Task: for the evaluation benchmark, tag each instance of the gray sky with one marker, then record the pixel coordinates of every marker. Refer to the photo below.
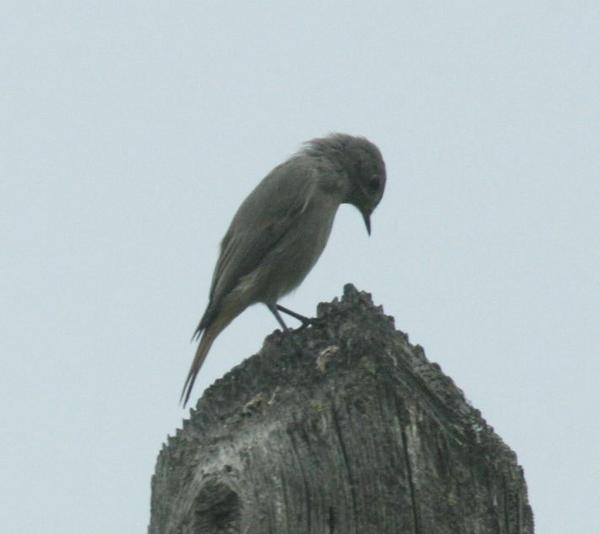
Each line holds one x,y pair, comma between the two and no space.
129,134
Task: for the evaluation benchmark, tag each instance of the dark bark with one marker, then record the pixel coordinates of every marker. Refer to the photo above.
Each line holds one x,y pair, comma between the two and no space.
354,433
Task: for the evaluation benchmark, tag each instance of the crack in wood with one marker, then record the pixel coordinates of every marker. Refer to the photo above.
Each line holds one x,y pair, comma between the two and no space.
338,432
307,498
331,520
411,484
519,512
505,498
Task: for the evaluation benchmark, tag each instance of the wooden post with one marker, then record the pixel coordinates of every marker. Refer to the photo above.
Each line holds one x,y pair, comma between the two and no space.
342,428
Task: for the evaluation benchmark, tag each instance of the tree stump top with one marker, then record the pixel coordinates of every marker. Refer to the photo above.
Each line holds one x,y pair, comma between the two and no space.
343,427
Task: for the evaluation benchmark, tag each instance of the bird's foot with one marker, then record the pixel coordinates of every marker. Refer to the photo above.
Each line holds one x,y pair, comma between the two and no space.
309,321
306,321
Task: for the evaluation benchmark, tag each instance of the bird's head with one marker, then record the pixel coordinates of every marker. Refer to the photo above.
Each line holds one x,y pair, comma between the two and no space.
363,168
366,172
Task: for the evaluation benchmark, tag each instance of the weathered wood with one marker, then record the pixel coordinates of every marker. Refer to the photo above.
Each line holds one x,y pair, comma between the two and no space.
356,433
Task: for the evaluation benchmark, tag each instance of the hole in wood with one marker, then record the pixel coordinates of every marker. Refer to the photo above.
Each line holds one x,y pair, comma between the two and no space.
217,509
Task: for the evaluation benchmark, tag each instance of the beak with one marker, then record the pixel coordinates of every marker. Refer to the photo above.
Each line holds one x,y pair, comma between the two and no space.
367,219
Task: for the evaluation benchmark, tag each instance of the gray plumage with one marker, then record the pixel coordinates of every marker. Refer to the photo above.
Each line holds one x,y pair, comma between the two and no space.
281,229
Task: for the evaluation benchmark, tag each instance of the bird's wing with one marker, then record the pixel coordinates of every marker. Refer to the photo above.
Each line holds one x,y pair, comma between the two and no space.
260,223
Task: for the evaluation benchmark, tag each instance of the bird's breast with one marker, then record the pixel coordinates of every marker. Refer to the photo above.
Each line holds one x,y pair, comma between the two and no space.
298,250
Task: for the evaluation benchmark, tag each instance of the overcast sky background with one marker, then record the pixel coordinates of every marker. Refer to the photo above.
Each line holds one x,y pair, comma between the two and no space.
131,131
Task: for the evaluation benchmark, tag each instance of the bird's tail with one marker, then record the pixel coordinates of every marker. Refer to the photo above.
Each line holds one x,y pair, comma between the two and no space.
208,337
210,333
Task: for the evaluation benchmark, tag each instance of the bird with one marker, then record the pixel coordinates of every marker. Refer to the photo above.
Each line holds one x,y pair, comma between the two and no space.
280,230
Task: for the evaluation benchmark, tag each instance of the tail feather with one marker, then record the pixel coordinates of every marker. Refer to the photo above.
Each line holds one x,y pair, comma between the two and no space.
214,320
209,315
211,325
206,342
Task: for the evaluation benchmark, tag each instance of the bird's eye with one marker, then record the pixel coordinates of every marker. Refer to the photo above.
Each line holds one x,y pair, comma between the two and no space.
373,183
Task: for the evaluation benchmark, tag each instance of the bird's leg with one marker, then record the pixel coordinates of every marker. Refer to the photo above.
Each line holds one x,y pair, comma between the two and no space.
286,331
306,321
277,315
